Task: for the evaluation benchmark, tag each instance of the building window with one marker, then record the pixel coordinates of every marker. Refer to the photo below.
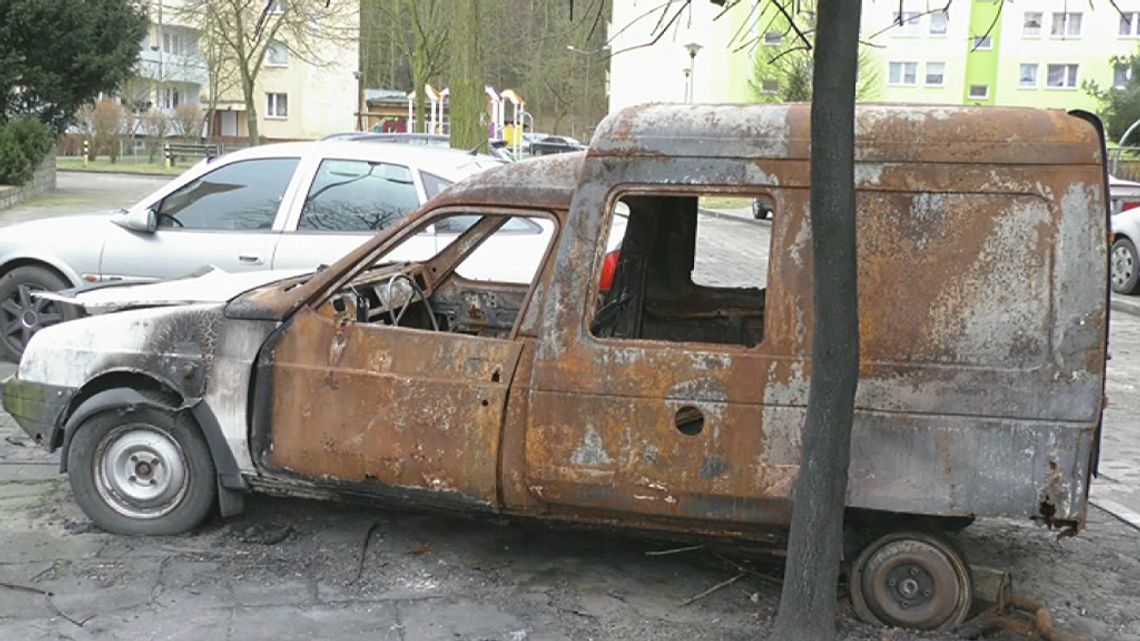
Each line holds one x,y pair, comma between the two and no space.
1066,24
772,38
1027,75
278,105
939,23
1031,24
903,73
1061,76
1121,74
983,43
169,98
769,87
909,23
276,55
934,74
1130,24
979,92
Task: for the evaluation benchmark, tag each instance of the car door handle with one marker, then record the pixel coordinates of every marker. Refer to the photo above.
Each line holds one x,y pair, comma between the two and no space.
250,259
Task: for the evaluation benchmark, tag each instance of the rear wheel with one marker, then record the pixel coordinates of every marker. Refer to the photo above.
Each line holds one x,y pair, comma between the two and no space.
22,314
1125,267
148,471
912,580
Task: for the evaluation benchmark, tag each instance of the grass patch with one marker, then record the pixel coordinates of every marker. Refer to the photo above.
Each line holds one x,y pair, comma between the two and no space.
724,202
126,165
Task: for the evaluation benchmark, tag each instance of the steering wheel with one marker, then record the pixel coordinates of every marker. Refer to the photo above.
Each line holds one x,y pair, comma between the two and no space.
407,303
175,222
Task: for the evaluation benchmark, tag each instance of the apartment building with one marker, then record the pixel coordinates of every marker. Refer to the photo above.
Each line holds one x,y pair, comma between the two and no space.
1035,53
1017,52
295,98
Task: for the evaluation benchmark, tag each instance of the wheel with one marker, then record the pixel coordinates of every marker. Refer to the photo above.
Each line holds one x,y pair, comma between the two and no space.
148,471
1125,264
911,580
21,314
760,209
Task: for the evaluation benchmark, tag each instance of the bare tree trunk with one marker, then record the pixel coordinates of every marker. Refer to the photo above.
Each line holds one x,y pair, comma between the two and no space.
467,98
247,88
807,603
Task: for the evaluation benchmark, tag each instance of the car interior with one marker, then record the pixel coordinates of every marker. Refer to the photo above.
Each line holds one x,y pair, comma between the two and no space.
431,294
657,292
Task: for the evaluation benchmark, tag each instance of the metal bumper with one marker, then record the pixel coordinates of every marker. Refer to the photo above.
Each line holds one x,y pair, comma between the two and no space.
37,408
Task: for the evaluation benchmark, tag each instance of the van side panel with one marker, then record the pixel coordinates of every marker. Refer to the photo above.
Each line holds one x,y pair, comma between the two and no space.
982,322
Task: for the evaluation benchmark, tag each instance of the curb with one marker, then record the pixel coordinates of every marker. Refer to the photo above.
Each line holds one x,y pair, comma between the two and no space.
1119,303
712,213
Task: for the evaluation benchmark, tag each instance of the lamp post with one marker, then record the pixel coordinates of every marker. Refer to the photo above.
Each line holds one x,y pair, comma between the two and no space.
690,74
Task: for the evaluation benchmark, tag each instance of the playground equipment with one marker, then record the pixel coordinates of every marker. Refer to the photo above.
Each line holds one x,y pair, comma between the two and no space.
439,123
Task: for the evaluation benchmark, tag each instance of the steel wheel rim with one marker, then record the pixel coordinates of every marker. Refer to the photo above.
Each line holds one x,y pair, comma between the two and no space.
915,584
1123,265
22,315
140,471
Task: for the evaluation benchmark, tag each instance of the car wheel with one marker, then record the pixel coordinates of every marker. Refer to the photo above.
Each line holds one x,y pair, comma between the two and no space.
21,314
147,471
1125,267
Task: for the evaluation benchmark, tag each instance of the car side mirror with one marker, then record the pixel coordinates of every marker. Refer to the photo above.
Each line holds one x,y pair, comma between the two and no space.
140,220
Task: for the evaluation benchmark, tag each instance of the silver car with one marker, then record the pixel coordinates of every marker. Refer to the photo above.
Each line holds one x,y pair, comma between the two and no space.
279,207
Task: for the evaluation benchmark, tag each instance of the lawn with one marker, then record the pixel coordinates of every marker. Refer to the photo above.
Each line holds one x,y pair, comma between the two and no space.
126,165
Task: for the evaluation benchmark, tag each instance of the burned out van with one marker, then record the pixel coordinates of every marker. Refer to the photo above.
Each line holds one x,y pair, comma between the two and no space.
661,386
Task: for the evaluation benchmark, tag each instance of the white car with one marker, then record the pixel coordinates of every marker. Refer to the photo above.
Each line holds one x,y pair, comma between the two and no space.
273,207
1124,201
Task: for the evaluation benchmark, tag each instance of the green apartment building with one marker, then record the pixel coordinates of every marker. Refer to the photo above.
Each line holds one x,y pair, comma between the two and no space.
1018,52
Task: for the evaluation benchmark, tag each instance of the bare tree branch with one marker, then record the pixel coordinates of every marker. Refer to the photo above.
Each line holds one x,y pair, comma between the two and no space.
997,15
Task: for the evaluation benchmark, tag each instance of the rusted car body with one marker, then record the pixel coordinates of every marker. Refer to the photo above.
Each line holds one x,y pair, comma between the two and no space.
983,316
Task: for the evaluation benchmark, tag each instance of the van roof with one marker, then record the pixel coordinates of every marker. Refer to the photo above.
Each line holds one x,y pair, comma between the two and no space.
883,133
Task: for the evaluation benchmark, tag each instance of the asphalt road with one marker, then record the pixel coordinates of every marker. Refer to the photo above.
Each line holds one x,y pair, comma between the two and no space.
294,569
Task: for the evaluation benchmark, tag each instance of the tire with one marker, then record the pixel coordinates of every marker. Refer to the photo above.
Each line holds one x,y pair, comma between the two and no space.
916,580
147,471
1124,267
21,316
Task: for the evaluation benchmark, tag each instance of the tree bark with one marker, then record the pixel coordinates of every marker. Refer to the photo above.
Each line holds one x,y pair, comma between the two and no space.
247,89
808,600
468,100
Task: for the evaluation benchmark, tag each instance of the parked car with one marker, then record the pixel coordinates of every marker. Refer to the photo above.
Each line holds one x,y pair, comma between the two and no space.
663,400
1124,202
554,145
281,206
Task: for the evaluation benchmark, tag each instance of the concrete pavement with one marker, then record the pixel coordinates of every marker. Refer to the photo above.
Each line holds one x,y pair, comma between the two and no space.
84,193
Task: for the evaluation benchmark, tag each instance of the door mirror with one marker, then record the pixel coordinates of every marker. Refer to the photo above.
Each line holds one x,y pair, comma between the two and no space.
141,220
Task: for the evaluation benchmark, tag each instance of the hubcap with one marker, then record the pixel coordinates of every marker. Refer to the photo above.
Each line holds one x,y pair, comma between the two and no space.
1123,265
22,315
140,471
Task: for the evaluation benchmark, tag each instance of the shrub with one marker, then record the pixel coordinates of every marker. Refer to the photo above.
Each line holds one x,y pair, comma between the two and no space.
107,122
24,142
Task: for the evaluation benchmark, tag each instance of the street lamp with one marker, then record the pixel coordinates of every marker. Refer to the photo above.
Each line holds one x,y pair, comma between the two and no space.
692,48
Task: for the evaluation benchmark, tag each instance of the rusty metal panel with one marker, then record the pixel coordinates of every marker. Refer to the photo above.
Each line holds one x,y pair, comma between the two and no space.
884,133
982,319
406,409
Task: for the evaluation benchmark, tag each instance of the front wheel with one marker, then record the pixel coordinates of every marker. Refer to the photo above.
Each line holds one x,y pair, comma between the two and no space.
22,314
147,471
1125,267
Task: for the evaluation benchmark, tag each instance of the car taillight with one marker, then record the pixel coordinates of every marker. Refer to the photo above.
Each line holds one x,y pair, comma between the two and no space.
609,268
1132,204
